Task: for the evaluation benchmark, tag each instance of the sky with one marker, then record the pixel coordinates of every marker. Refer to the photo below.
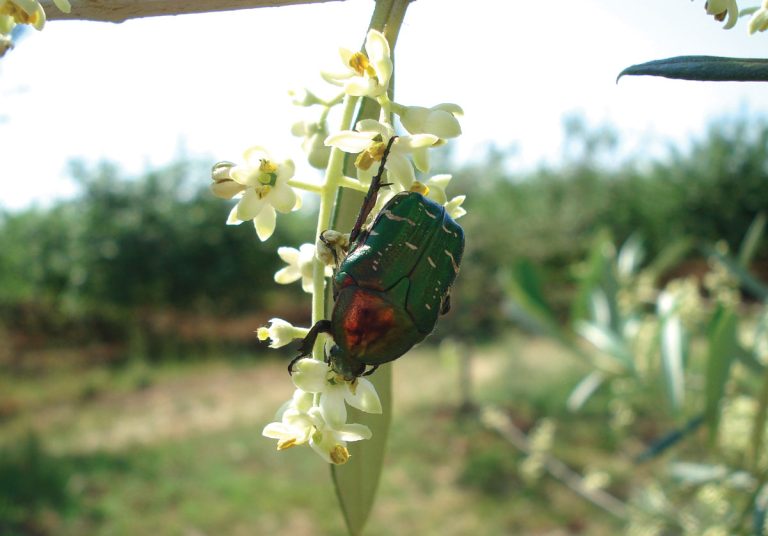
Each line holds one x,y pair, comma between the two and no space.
208,86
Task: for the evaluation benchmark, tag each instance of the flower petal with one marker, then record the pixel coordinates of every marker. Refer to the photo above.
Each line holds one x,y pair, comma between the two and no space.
254,155
285,170
63,5
365,397
321,449
371,125
250,205
353,432
287,275
289,255
282,197
450,107
226,189
232,218
350,141
409,143
400,169
421,159
310,375
442,124
376,46
414,118
265,222
332,405
357,86
278,430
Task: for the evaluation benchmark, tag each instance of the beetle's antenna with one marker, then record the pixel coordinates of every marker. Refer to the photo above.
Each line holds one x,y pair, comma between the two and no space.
370,198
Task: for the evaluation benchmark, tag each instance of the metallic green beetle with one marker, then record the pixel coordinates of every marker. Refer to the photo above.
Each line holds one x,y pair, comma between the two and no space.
392,284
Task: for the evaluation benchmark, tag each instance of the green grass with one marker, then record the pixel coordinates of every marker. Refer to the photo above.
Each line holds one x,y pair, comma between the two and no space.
178,450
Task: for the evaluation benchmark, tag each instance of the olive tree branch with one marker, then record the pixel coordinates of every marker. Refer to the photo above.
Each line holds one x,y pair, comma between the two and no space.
121,10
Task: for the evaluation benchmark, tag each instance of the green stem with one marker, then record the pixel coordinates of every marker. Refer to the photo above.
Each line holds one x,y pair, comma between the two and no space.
333,177
352,184
308,186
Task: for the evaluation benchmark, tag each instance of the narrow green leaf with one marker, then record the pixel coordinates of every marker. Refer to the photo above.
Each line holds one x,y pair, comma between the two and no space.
630,256
752,239
523,286
584,390
673,350
608,342
706,68
722,349
670,439
357,480
696,474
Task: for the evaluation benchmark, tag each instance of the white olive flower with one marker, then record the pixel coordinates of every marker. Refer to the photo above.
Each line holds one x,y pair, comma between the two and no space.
314,376
362,141
439,120
436,186
295,425
280,333
454,208
266,188
759,21
722,8
22,12
367,74
330,442
434,189
301,264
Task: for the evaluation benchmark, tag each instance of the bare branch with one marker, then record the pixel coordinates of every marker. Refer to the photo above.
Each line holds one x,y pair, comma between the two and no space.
500,422
120,10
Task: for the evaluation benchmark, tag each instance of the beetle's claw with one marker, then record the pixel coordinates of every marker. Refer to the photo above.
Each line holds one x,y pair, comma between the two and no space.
293,362
371,371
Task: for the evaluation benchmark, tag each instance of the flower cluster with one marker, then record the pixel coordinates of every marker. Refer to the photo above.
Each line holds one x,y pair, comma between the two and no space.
317,413
729,11
263,186
13,12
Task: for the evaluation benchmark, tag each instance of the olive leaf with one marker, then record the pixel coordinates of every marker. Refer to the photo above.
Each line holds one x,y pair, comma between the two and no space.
723,347
357,480
706,68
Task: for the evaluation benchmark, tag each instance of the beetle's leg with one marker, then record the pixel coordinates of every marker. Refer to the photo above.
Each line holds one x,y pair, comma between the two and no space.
322,326
446,304
370,198
331,247
369,372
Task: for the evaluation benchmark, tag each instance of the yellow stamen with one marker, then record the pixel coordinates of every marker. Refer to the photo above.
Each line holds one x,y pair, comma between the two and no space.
263,191
262,333
286,443
339,455
420,188
359,63
19,15
372,154
267,166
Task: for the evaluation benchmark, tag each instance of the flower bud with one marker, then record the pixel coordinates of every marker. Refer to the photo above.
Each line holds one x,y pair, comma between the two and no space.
223,185
279,332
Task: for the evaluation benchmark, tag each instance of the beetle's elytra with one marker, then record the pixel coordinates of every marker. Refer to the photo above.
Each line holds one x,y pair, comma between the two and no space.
392,284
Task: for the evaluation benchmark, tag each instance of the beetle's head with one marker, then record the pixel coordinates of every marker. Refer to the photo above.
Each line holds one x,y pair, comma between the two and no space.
344,364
